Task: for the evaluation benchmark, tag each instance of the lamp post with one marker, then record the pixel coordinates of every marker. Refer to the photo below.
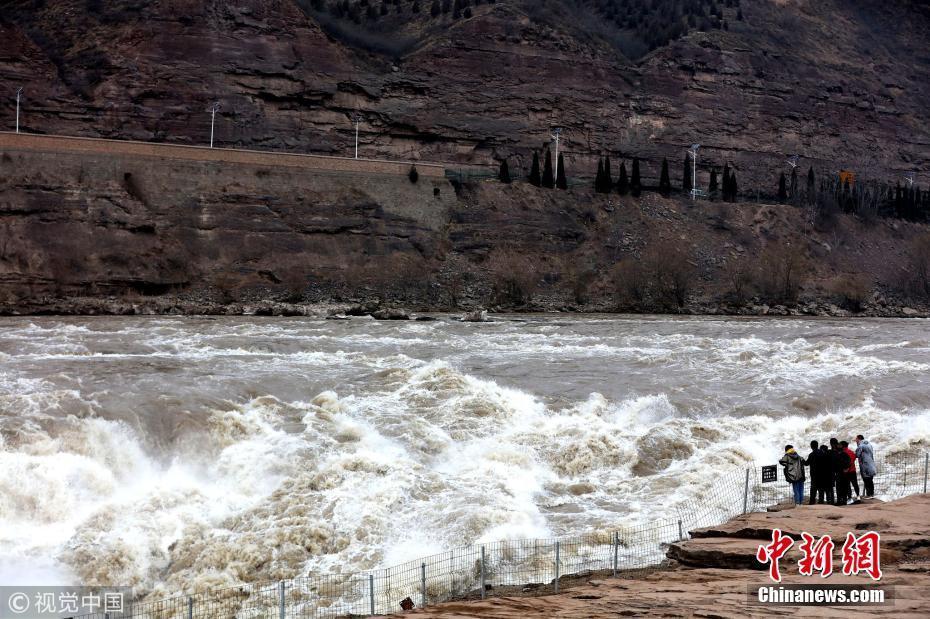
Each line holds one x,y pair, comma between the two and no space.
19,93
356,118
693,152
213,110
556,133
793,188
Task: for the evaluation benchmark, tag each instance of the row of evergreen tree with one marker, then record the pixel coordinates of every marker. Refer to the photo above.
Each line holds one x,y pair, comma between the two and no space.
833,194
604,183
356,10
546,178
865,198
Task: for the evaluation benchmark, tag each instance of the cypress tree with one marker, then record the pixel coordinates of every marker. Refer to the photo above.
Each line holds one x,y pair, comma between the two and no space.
918,201
665,184
534,171
504,173
725,183
734,187
636,186
560,181
686,185
782,189
608,175
713,187
623,183
811,187
599,179
548,180
793,187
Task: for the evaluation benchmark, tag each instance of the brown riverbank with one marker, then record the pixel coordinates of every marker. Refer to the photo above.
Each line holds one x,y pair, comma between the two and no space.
168,305
709,575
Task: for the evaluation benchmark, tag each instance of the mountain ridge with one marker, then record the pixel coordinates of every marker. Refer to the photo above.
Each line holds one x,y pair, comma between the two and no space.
490,86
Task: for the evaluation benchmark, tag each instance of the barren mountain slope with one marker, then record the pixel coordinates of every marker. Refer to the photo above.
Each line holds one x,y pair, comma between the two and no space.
845,84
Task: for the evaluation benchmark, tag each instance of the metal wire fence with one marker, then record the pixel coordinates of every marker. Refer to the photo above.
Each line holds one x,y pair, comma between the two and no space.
512,567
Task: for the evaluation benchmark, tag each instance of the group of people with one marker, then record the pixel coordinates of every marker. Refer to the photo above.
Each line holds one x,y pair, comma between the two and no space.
832,471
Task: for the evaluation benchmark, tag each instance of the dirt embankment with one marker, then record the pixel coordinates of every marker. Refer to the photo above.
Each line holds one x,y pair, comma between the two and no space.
709,575
96,233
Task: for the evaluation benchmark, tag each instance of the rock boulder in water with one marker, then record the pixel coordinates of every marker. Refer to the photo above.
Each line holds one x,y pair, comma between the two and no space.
475,316
390,314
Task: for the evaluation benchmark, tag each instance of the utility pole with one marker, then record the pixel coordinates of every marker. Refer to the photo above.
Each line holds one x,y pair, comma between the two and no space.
19,93
693,152
213,110
793,188
556,133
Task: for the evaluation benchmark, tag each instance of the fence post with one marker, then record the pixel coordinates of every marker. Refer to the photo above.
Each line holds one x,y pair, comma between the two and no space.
281,599
681,533
482,573
926,468
190,608
556,567
746,493
423,581
371,592
616,544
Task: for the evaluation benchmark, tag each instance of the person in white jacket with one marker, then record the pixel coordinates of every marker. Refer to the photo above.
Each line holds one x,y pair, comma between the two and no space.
866,465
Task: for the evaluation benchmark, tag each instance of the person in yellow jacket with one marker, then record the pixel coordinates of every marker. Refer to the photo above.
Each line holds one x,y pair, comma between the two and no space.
793,464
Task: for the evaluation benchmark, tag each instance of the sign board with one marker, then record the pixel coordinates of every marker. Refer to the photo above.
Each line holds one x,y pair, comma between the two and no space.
769,473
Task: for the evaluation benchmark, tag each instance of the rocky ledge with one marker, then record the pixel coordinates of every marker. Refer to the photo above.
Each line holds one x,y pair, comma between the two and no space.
710,573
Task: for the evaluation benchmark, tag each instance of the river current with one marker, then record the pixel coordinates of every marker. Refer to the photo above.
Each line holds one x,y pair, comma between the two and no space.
174,454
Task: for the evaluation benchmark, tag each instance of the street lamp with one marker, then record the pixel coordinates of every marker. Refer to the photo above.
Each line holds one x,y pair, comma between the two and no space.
693,152
356,118
213,110
19,93
556,134
793,164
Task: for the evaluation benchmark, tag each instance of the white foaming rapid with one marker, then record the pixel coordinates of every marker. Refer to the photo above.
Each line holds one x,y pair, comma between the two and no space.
179,455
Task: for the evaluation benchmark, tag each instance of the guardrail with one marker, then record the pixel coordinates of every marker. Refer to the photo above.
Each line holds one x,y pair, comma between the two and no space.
100,146
512,567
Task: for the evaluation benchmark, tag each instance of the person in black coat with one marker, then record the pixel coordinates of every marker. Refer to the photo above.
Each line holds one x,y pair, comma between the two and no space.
826,477
815,462
840,464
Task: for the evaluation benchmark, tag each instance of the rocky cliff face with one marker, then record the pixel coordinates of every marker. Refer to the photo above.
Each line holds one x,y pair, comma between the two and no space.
844,84
132,229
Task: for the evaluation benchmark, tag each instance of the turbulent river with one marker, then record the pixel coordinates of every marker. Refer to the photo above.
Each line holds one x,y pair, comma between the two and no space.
172,454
